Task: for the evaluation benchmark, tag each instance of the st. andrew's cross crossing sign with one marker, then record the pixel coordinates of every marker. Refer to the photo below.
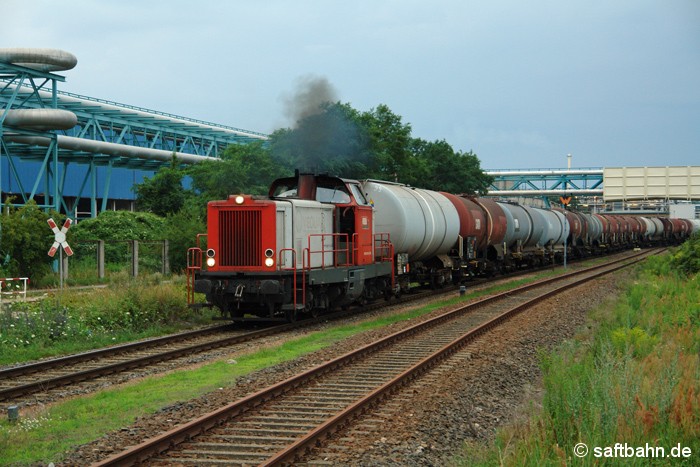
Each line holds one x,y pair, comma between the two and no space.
60,237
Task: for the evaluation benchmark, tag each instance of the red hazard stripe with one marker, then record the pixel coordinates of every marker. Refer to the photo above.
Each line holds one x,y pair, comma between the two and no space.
52,251
67,249
67,223
52,224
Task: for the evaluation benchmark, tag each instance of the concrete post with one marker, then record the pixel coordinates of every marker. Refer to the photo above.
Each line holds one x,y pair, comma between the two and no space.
101,259
166,257
134,258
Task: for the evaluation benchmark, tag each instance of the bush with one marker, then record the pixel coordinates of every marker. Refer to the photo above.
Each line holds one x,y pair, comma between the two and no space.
687,258
25,242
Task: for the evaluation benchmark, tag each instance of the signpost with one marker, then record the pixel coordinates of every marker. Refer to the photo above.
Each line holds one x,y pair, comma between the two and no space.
60,237
60,244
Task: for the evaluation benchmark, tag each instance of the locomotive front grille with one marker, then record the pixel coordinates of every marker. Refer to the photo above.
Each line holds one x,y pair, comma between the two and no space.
240,234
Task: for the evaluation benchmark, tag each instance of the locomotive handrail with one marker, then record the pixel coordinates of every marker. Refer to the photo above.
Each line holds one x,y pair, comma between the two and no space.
294,269
194,263
384,251
339,250
355,248
199,236
332,251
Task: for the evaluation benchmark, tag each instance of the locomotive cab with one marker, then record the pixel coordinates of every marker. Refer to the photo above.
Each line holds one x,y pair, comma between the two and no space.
353,217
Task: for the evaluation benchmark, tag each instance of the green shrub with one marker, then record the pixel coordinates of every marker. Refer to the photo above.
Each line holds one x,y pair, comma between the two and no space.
687,258
634,340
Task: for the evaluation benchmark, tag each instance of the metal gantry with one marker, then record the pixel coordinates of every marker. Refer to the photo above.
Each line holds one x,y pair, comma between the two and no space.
109,137
40,92
544,182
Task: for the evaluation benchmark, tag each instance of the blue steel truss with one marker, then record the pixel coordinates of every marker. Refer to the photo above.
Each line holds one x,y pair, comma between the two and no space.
16,77
98,120
546,183
554,181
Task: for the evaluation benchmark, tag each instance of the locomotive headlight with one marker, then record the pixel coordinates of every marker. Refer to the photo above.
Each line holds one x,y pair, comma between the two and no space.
239,199
211,261
269,262
269,253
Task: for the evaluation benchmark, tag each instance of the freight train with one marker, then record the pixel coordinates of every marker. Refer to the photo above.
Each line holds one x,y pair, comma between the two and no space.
318,242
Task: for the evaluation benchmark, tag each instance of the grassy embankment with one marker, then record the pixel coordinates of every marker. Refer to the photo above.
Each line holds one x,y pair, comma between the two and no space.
42,436
633,377
75,321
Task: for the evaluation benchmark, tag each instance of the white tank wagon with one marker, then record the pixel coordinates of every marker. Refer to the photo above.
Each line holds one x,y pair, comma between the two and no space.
421,223
518,227
594,229
423,226
533,231
556,229
657,232
696,225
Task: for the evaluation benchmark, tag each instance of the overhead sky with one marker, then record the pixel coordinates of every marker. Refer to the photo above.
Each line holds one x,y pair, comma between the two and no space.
522,84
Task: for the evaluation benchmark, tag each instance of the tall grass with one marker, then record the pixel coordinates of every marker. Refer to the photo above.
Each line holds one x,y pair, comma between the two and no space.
634,380
73,321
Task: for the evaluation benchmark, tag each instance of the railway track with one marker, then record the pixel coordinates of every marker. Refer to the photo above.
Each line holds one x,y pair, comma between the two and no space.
21,381
280,423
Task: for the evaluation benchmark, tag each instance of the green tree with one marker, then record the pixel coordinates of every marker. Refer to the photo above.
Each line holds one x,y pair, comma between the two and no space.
390,140
447,170
26,239
245,168
163,193
181,229
119,225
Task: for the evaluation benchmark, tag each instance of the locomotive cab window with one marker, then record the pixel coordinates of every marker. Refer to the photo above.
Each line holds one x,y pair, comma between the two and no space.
336,194
359,196
285,190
